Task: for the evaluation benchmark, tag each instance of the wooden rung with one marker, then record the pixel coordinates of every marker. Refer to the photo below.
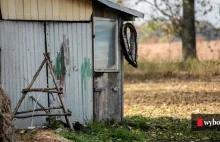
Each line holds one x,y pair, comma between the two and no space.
40,109
39,104
38,115
38,90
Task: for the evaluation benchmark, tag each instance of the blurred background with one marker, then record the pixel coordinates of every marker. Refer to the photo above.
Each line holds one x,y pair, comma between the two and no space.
179,64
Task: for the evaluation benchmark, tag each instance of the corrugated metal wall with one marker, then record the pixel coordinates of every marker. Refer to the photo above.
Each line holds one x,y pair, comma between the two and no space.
64,10
22,46
70,45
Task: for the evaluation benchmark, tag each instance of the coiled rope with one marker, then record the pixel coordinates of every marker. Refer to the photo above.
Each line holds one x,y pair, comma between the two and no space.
130,46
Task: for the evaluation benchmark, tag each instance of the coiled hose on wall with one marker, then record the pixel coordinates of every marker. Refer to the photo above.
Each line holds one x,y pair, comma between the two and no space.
129,45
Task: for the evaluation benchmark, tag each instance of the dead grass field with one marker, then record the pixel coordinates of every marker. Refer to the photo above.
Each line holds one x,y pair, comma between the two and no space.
173,51
172,98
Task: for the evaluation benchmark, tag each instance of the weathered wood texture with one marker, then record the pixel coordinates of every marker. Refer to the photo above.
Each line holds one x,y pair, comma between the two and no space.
39,115
63,10
39,109
108,87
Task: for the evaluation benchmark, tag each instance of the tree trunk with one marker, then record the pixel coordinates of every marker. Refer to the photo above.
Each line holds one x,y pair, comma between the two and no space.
6,131
189,32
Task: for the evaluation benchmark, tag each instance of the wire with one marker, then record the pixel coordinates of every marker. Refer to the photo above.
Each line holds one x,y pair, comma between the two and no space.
32,120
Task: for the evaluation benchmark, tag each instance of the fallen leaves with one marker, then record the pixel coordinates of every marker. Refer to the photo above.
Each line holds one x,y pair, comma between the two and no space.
172,98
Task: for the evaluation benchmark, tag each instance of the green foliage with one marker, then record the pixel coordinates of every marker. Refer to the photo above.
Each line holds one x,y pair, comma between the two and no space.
138,128
53,123
105,132
160,31
184,70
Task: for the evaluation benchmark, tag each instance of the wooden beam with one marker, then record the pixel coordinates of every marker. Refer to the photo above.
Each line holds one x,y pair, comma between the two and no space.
39,109
40,90
38,115
47,56
39,104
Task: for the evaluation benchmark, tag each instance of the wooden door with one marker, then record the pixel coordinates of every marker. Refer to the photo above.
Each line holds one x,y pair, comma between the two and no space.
107,71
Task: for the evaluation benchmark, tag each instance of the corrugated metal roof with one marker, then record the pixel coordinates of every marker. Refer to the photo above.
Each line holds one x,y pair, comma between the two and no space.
121,8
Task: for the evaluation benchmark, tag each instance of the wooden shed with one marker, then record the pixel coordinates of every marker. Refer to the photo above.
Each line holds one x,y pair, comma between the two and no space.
83,39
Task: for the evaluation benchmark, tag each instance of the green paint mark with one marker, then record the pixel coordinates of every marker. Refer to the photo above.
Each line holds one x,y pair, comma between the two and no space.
59,67
86,73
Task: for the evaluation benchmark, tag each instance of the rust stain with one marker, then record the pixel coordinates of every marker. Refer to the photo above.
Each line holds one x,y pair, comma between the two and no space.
62,61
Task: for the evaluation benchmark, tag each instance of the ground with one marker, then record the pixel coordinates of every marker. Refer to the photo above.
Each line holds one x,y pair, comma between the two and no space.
39,136
172,98
154,110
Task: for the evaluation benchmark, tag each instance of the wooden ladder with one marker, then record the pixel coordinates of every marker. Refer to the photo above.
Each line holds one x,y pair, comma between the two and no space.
57,90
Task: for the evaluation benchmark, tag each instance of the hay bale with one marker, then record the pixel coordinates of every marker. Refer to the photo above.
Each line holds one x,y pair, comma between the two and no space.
6,130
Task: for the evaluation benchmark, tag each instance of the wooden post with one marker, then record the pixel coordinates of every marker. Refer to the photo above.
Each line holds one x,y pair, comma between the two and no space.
58,88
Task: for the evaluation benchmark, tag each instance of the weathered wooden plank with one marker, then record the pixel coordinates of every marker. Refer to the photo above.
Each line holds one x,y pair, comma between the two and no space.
42,9
27,9
65,10
108,88
120,23
69,10
39,109
11,12
88,8
76,10
56,9
82,10
49,10
4,9
34,10
19,9
38,115
62,10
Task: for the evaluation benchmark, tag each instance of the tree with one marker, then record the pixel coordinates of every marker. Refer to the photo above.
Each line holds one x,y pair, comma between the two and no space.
189,32
181,15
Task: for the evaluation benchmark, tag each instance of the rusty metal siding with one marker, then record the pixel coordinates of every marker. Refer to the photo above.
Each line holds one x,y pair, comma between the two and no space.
22,46
70,45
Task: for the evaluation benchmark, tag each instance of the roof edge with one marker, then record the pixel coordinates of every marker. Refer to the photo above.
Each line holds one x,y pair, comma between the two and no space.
122,8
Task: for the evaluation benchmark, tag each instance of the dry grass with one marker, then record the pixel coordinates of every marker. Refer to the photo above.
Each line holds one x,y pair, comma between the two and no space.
172,98
41,136
206,51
